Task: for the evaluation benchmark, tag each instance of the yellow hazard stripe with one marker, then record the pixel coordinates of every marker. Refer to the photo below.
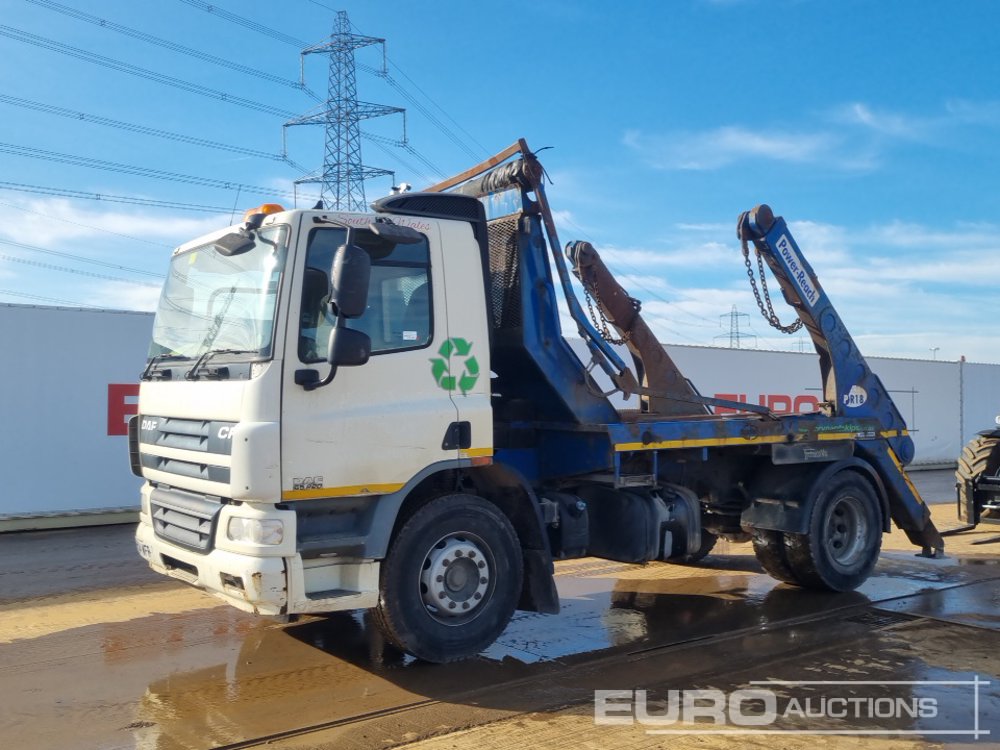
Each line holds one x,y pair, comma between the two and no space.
475,452
348,491
368,489
906,477
698,443
761,440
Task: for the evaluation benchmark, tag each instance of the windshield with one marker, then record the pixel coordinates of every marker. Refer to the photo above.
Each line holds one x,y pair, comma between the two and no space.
211,301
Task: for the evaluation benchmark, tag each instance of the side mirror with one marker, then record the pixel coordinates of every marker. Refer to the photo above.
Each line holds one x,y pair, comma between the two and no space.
348,348
234,243
349,277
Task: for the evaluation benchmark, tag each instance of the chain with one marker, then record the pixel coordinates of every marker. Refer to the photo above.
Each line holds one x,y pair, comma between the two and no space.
602,324
769,315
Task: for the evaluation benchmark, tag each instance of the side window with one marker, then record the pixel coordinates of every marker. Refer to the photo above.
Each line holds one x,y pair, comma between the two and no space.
399,313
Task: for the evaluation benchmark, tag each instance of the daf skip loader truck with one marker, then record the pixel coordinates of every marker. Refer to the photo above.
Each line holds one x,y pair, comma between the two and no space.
380,410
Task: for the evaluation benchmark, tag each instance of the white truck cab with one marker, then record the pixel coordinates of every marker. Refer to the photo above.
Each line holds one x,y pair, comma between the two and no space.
262,487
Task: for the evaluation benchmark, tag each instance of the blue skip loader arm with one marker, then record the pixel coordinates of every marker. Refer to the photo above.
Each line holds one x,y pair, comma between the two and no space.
850,388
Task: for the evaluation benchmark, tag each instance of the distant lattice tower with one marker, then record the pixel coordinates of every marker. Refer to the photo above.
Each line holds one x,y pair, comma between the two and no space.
735,336
343,175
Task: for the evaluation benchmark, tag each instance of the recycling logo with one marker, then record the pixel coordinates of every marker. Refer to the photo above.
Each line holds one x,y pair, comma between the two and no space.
456,367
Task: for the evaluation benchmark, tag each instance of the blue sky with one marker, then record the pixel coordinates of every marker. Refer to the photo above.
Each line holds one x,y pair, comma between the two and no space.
872,127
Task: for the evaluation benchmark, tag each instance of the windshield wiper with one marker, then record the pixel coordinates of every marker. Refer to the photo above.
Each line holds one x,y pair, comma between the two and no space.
147,374
192,374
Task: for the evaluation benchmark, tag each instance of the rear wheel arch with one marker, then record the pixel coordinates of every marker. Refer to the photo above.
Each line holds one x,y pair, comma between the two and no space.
801,482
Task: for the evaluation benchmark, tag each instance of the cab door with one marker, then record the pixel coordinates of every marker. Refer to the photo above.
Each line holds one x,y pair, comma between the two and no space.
465,355
378,425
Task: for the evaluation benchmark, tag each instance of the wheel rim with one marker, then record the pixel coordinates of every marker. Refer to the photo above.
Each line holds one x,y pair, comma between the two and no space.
847,530
457,578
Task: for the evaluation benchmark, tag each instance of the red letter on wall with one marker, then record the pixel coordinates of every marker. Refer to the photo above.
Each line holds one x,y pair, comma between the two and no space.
121,405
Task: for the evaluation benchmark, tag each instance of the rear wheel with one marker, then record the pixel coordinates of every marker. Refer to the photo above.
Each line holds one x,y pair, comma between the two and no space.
708,540
769,547
980,457
844,539
451,580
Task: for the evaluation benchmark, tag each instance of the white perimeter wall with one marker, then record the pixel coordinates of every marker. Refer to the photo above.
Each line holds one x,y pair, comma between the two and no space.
69,377
929,395
57,409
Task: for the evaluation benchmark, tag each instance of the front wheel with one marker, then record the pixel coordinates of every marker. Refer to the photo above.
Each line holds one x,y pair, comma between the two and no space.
842,545
451,580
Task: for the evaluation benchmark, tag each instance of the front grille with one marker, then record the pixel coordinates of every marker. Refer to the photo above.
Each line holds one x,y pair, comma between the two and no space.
505,279
202,435
190,469
185,519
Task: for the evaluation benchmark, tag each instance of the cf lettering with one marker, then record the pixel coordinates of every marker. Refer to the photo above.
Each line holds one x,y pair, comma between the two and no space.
226,433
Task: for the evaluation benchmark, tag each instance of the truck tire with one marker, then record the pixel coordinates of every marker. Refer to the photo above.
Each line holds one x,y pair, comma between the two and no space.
769,547
708,540
844,539
451,579
980,457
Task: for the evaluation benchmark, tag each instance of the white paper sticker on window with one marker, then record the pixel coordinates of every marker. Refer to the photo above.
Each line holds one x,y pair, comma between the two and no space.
409,335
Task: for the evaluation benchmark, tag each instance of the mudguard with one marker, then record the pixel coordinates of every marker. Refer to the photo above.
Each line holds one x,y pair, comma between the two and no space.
783,498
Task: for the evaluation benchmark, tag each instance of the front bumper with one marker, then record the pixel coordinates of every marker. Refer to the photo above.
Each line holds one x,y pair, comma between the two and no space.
253,584
278,585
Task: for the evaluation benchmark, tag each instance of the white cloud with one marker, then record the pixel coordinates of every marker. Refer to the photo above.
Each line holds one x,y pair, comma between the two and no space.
698,254
125,297
53,221
720,147
896,285
886,123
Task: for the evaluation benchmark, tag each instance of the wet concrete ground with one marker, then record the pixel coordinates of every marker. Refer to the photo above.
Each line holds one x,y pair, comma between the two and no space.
95,651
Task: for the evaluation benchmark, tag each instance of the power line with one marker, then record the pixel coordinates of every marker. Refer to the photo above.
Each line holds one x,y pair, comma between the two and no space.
39,298
77,271
80,258
406,147
300,43
51,109
50,217
108,198
246,23
646,289
123,67
384,75
166,44
482,148
130,169
377,142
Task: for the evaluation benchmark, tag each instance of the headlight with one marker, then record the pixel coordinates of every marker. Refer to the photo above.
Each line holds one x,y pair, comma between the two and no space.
255,531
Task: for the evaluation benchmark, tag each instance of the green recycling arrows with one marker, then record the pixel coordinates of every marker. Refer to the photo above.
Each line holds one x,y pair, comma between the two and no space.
456,357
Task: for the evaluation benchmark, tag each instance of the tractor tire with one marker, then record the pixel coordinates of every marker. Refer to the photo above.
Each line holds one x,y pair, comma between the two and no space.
980,457
451,579
842,545
769,547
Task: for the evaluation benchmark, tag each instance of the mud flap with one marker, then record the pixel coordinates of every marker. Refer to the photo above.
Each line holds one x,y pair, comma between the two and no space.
538,592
